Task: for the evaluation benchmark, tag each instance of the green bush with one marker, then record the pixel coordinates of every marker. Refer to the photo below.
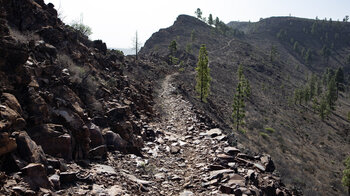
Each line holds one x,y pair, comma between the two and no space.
264,135
269,129
242,130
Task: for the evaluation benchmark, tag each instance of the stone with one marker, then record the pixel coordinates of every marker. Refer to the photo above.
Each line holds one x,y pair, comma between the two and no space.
268,163
28,150
219,173
35,176
68,177
54,139
186,193
231,151
12,102
96,136
7,144
160,140
236,179
115,190
19,189
226,189
104,169
214,132
174,150
100,152
213,182
159,176
221,137
114,141
55,180
225,157
259,166
10,119
135,179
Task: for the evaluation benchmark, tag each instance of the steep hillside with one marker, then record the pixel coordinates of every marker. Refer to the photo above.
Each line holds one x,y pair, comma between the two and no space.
308,151
79,119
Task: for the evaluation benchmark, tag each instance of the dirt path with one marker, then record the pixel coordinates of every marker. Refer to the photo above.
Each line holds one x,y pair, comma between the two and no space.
181,151
222,48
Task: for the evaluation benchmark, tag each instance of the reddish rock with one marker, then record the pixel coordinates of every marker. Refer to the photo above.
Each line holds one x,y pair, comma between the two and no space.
35,175
54,139
7,144
28,150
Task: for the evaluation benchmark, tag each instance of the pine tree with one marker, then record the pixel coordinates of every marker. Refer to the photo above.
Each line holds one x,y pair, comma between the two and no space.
217,22
172,47
339,79
243,91
331,94
322,109
210,20
308,56
314,104
198,13
203,76
273,53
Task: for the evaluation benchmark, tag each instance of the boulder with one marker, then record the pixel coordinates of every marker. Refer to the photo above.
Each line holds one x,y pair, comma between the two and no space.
11,101
114,141
46,48
35,176
96,137
118,113
12,54
7,144
98,44
37,108
54,139
28,150
10,119
267,162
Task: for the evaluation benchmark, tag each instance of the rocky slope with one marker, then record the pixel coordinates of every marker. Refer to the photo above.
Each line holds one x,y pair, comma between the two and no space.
78,119
62,96
308,152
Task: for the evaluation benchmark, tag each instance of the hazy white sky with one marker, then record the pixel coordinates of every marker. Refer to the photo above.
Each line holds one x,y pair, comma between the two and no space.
116,21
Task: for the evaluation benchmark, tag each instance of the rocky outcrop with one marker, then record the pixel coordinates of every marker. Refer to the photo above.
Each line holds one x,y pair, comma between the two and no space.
58,91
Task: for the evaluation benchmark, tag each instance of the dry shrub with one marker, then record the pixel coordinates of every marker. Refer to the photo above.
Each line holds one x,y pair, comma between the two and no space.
24,37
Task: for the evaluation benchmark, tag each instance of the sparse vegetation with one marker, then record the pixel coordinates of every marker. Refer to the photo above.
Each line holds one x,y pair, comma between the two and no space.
203,74
81,27
269,129
264,135
243,91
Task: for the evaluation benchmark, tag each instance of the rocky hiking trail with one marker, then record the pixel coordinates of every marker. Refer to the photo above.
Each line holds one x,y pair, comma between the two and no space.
184,157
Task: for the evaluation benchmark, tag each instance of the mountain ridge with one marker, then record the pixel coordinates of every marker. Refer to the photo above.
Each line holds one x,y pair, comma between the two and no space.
295,146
